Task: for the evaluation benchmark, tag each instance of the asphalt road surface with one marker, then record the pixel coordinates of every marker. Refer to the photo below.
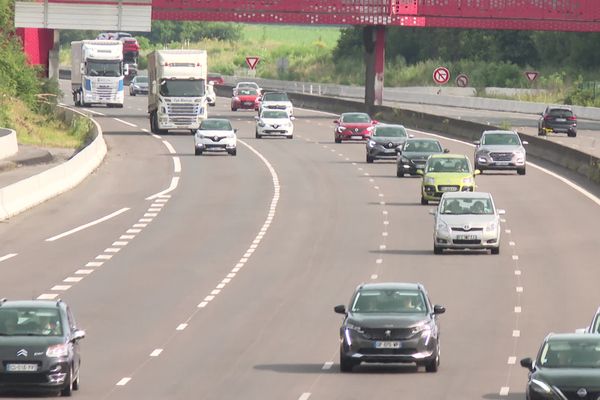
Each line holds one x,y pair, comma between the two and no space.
214,277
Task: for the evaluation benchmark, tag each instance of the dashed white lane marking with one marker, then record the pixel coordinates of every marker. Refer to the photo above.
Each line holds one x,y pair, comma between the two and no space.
125,122
104,257
374,276
203,304
384,234
61,288
511,243
176,165
504,390
156,352
512,360
517,309
84,271
140,225
145,220
507,231
382,247
519,289
353,163
73,279
123,381
112,250
126,237
47,296
172,186
516,333
515,257
95,112
378,261
133,230
82,227
151,215
327,365
386,222
181,327
384,212
304,396
376,187
8,256
118,243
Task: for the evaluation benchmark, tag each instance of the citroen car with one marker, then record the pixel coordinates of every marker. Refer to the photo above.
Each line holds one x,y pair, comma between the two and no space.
353,126
446,173
414,154
385,142
274,123
500,150
566,367
275,101
246,99
138,85
390,323
559,119
215,134
39,346
466,220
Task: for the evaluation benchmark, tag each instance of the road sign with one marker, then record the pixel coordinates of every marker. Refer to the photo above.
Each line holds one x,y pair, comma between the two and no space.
462,80
531,75
252,61
441,75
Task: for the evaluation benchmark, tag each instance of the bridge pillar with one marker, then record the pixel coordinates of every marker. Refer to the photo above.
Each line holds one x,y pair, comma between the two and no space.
374,43
37,43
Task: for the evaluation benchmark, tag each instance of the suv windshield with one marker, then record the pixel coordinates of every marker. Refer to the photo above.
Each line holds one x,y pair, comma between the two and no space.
215,125
467,205
356,118
571,354
500,139
390,131
448,165
29,321
422,146
274,114
275,97
389,301
183,88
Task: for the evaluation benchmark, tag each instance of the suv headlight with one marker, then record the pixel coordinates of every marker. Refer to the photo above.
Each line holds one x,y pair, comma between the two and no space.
540,387
467,181
355,328
58,350
429,180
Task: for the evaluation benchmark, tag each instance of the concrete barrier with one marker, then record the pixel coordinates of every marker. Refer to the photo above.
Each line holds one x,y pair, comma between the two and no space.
29,192
8,143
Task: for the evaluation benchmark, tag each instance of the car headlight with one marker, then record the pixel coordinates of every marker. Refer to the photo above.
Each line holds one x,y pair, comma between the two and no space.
429,180
519,153
467,181
540,387
261,124
355,328
163,110
370,128
404,160
491,227
443,227
58,350
341,129
371,143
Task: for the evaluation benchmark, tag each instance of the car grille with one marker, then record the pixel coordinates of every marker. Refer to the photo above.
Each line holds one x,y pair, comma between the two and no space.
395,334
501,156
475,241
461,229
23,377
571,394
448,188
276,107
183,113
399,352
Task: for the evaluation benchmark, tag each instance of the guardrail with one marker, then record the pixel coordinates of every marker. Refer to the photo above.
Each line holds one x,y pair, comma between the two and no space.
8,143
29,192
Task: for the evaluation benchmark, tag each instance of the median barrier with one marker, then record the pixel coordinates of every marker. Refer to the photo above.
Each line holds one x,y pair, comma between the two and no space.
8,143
34,190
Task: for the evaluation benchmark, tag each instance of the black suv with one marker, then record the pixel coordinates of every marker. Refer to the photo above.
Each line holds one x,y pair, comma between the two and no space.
558,119
39,346
390,323
565,368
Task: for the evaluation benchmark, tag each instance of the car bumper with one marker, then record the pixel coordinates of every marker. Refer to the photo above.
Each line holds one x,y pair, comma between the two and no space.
560,128
53,376
381,152
221,145
415,350
275,132
352,135
244,105
467,240
486,162
411,168
432,193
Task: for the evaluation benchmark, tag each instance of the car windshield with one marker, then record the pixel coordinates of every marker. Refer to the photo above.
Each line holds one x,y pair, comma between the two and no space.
389,301
448,165
422,146
247,92
571,353
275,97
274,114
501,139
560,113
467,205
356,118
390,131
104,68
215,125
141,79
247,84
30,321
183,88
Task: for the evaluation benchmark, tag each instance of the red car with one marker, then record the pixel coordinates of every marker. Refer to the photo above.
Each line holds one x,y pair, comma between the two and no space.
216,78
246,98
353,126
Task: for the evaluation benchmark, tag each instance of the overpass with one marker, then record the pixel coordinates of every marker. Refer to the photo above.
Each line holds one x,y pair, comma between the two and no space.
37,20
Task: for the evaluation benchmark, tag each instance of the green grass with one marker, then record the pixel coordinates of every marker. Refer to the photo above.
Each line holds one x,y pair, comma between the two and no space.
291,35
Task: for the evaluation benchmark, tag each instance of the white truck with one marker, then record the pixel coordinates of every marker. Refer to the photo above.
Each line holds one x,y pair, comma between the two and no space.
97,72
177,89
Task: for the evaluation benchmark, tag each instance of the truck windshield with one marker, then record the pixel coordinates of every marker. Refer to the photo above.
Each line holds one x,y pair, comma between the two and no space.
182,88
104,68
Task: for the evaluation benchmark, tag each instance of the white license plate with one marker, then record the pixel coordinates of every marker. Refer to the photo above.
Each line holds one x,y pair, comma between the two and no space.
356,137
448,189
466,237
502,162
561,119
21,367
248,103
387,345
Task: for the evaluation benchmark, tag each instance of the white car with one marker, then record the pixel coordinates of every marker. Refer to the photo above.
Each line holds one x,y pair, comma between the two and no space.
274,123
466,220
251,85
276,101
211,97
215,134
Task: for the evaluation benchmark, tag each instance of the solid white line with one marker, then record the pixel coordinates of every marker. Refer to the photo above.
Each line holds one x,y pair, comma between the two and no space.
95,112
172,186
125,122
156,352
327,365
61,288
123,381
181,327
82,227
176,165
8,256
504,391
304,396
47,296
169,147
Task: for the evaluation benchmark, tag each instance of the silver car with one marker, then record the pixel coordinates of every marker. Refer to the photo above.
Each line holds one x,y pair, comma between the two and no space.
466,220
500,150
138,85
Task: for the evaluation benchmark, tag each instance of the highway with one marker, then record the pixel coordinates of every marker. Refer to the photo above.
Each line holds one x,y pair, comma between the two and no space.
215,277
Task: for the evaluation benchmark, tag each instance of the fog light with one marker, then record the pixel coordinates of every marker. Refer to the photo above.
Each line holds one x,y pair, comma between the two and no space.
56,368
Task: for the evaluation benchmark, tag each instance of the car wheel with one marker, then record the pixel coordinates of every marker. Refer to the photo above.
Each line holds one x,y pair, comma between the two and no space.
424,201
572,133
433,364
233,109
495,250
233,152
132,93
541,132
370,159
198,152
346,363
399,173
67,391
437,249
521,171
290,136
338,139
257,135
77,381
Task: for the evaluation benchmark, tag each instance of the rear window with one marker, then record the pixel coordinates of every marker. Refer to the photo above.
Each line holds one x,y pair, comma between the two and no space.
560,113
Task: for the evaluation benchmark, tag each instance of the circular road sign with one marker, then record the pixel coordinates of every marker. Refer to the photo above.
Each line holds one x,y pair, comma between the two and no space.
441,75
462,80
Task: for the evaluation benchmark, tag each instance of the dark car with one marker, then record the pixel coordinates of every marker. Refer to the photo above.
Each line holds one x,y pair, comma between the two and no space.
567,367
39,346
414,154
353,126
216,78
559,119
385,141
390,323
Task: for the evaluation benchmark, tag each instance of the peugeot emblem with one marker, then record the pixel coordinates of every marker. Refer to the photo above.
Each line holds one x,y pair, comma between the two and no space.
467,227
582,392
216,138
388,333
22,353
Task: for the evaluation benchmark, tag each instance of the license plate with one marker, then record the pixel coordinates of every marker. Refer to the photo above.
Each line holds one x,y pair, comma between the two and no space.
248,103
387,345
21,367
466,237
448,189
561,119
502,162
356,137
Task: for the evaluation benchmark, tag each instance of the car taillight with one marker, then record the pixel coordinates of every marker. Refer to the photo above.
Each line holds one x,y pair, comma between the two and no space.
547,117
572,118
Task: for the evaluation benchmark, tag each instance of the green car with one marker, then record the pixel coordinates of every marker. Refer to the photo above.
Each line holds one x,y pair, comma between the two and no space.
446,173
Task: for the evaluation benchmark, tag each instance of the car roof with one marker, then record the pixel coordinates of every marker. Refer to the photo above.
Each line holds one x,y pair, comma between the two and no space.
561,107
573,336
499,132
30,303
217,119
274,92
389,125
446,155
391,285
463,195
422,140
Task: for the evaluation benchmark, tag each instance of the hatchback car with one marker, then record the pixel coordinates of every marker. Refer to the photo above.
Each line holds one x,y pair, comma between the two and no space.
559,119
353,126
466,220
215,134
414,154
274,123
446,173
275,101
567,366
500,150
385,142
138,85
390,323
39,346
252,85
246,99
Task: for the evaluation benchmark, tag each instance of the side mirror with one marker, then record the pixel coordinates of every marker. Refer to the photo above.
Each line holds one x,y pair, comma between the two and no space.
476,172
501,212
336,121
374,122
432,211
437,309
256,117
292,118
420,172
77,335
341,309
446,150
235,130
525,142
399,151
476,142
411,136
527,363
